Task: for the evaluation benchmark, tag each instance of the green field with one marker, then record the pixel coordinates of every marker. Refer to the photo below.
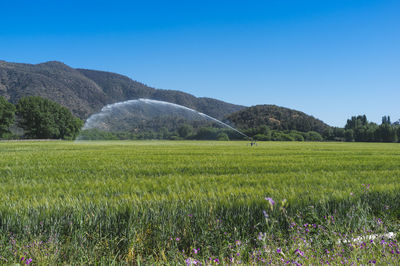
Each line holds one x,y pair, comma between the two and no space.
181,202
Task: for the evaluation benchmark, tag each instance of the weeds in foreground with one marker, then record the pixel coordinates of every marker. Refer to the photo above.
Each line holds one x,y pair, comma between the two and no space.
301,239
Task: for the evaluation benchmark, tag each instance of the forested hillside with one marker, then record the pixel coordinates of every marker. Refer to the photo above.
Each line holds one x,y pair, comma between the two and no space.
276,118
85,92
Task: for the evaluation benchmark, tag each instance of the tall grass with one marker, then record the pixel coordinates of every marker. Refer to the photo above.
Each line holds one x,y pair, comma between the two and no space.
155,201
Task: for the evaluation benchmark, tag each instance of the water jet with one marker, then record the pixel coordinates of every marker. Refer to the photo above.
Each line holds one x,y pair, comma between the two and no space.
145,115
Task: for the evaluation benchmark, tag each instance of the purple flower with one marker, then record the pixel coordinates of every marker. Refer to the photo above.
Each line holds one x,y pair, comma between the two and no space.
278,250
270,200
28,261
298,251
265,214
177,239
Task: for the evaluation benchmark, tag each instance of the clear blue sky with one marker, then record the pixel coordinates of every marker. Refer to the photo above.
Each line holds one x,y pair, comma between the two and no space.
328,58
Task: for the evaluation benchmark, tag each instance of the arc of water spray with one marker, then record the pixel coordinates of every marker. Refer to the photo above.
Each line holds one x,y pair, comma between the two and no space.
149,101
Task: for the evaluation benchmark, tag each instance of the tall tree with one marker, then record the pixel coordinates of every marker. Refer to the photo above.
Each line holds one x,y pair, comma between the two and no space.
7,114
42,118
386,133
386,120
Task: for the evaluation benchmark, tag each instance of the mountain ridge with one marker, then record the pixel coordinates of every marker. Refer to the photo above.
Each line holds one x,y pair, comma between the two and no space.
86,91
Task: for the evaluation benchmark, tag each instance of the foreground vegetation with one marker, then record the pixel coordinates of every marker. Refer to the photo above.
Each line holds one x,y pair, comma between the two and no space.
198,202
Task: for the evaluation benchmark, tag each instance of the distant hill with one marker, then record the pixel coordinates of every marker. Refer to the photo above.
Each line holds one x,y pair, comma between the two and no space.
275,117
85,92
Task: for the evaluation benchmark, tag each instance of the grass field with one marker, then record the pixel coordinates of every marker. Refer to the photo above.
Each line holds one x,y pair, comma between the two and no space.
197,202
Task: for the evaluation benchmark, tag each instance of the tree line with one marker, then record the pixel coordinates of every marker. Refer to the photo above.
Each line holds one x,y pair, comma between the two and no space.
37,118
357,129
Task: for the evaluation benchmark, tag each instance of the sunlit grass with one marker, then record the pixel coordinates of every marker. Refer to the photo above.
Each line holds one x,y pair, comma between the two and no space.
125,200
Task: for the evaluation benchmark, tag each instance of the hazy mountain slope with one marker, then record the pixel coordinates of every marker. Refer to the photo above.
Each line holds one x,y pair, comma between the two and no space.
120,87
52,80
85,92
275,117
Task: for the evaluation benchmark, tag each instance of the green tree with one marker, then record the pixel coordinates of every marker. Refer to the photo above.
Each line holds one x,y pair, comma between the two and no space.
262,137
222,136
297,136
43,118
349,135
185,130
206,133
398,133
386,133
356,121
338,132
7,114
314,136
386,120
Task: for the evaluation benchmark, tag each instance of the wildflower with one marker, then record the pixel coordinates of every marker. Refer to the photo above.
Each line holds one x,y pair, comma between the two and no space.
261,236
278,250
190,215
216,261
265,214
298,251
270,200
190,261
238,243
177,239
28,261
